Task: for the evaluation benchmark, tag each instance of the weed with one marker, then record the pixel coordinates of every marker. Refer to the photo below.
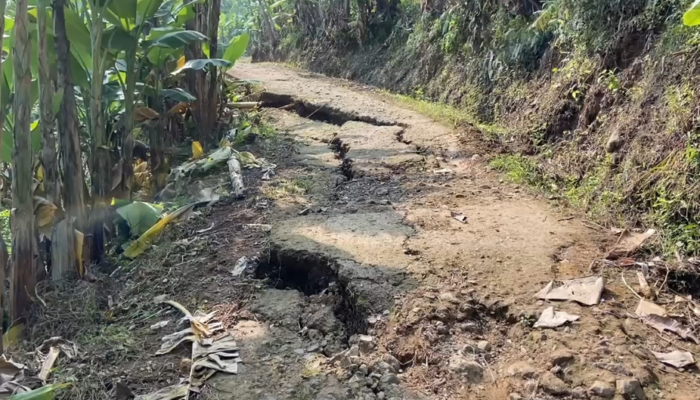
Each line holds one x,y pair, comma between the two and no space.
447,114
286,188
5,228
520,169
678,101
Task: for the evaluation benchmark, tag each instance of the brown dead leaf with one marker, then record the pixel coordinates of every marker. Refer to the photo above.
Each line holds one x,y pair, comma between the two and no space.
628,243
143,114
179,108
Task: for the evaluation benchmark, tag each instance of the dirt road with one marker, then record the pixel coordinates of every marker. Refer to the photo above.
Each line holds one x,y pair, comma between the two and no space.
400,267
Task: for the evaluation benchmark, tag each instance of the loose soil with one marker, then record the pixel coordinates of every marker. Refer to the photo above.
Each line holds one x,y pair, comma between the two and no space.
357,240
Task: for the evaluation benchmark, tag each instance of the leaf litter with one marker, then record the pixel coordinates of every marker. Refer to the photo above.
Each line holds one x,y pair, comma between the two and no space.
213,350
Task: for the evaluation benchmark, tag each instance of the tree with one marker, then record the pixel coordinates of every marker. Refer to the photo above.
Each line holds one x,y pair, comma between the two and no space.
100,177
68,126
24,246
3,247
48,154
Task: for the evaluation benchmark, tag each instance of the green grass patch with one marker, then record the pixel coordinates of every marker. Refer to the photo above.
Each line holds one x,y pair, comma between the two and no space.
445,114
520,169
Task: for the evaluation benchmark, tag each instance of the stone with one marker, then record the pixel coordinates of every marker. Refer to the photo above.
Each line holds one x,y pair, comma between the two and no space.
521,369
382,367
561,358
631,389
393,361
579,393
313,348
601,389
550,384
556,370
353,351
381,396
645,375
515,396
365,344
531,386
364,370
390,379
484,346
449,297
471,370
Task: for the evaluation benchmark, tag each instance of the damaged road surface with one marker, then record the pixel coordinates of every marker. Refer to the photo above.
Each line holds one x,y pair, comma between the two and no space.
371,288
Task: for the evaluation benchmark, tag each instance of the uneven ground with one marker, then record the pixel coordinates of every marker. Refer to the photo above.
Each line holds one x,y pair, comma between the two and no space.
358,242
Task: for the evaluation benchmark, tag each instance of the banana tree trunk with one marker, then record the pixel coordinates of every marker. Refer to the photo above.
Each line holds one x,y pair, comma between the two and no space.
3,6
212,98
127,135
101,169
48,152
24,244
3,247
197,80
68,128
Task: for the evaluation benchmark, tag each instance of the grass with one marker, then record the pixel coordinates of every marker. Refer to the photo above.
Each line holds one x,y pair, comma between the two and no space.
287,188
445,114
520,169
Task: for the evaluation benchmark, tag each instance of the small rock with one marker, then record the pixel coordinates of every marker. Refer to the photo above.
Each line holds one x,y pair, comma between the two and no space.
160,298
523,370
381,396
159,325
300,352
390,379
364,370
645,375
471,370
479,347
353,351
484,346
304,211
382,367
449,297
393,361
601,389
531,386
550,384
471,327
578,393
561,358
556,370
515,396
313,348
365,344
631,389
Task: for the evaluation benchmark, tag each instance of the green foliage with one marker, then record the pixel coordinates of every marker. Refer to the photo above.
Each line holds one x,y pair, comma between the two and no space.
178,94
202,64
692,16
237,47
5,230
520,169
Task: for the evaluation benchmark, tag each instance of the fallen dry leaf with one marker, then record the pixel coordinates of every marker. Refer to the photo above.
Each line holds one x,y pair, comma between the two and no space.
553,319
583,290
678,359
628,243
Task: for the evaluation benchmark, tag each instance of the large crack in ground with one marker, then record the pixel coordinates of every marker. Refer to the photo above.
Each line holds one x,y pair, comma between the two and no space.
319,112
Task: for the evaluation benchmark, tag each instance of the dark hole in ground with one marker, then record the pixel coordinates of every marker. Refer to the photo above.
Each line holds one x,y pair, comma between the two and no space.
312,274
321,113
304,272
685,282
